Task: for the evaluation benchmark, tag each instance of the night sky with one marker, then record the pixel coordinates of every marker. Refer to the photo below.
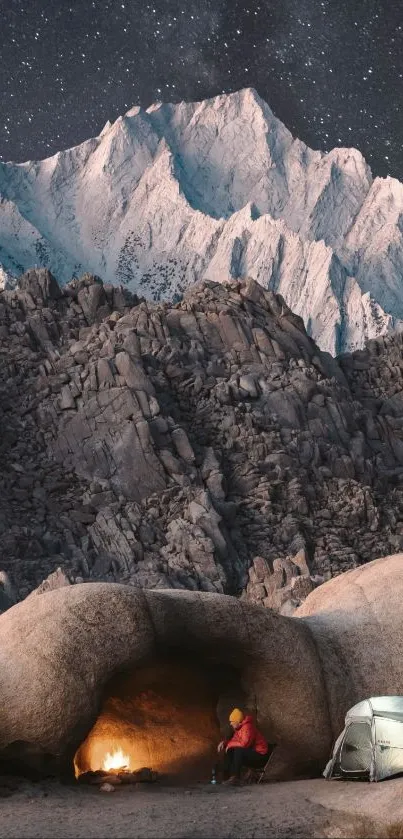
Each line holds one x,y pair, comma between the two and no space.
332,71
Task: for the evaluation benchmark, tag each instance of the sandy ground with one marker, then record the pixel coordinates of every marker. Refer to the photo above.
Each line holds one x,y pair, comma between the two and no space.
296,809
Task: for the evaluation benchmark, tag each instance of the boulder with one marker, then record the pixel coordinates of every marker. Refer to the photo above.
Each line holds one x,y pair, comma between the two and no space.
61,651
41,285
356,620
133,373
185,658
58,579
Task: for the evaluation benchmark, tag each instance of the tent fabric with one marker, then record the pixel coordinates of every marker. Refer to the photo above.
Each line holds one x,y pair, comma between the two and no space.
380,706
371,743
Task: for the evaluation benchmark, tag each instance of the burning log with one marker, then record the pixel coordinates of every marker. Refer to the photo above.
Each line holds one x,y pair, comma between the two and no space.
142,776
121,776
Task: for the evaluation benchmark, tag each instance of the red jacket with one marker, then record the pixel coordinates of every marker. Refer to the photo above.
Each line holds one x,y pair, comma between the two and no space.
247,736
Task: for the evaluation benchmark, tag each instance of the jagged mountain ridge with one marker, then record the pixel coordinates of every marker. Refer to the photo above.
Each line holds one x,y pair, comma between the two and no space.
209,445
215,190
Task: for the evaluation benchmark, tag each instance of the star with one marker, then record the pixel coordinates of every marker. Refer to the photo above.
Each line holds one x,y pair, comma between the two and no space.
323,67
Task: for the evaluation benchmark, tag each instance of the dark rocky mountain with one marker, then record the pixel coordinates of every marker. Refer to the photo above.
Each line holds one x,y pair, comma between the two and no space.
207,445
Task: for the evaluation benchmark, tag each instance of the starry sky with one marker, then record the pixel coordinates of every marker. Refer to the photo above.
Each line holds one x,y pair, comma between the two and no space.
332,70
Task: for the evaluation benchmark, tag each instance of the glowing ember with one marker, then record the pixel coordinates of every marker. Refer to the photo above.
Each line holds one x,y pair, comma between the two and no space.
115,761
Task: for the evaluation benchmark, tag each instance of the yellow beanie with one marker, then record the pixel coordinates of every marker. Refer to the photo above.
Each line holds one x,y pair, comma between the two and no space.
236,716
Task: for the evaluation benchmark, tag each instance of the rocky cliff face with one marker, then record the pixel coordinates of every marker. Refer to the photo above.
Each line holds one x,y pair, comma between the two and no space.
215,190
209,445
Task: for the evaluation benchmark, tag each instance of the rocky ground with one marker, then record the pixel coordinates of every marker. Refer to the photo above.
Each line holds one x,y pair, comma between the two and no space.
208,445
294,810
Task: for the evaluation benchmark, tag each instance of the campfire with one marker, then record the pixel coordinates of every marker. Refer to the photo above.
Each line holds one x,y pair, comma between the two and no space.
159,720
116,761
115,768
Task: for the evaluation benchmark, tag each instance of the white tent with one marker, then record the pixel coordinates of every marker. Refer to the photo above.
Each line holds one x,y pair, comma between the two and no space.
371,743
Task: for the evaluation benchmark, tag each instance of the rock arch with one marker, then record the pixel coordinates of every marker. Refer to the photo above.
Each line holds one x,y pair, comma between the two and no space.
60,651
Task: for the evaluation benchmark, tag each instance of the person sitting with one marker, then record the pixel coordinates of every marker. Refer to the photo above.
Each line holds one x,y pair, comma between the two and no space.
247,747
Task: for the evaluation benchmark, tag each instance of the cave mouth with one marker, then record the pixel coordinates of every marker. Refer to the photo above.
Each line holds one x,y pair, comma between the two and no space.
167,715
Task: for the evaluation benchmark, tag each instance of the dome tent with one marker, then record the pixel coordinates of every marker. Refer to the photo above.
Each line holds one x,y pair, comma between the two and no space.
371,743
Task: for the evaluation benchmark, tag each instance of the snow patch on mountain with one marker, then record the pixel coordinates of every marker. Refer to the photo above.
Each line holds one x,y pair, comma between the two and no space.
7,281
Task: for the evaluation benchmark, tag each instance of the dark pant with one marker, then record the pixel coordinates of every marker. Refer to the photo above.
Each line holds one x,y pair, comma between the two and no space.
236,758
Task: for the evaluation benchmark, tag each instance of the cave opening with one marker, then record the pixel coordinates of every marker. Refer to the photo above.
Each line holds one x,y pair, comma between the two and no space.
167,715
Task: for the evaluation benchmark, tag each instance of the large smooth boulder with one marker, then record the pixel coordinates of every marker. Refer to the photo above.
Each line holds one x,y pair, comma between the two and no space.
357,622
93,659
59,651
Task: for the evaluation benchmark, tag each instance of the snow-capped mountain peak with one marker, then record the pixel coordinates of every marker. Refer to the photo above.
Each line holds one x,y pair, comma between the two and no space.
215,189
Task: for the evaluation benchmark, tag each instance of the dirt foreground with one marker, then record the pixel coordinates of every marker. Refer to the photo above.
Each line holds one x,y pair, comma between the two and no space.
332,810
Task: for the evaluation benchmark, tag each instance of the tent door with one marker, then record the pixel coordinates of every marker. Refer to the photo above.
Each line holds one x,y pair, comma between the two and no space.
356,751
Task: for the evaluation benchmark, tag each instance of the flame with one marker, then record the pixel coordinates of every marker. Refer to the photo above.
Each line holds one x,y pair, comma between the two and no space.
116,760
